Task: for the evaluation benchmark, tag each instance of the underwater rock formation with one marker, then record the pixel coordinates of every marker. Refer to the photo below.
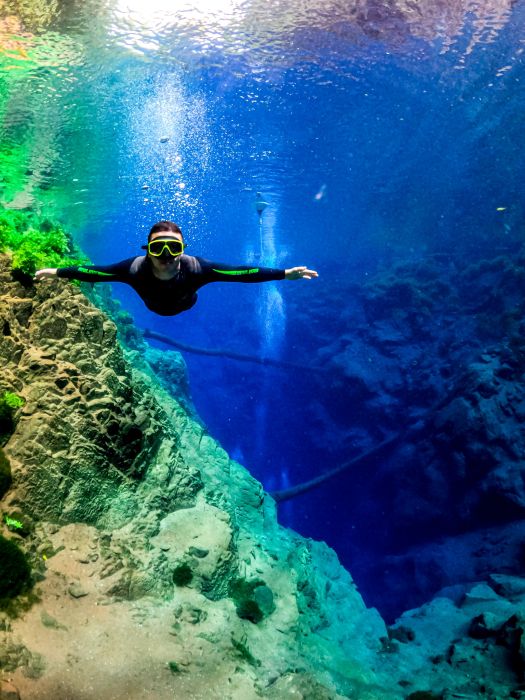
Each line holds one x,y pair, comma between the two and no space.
159,562
158,566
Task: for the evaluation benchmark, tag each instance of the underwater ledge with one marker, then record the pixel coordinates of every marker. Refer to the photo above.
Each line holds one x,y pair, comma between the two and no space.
158,566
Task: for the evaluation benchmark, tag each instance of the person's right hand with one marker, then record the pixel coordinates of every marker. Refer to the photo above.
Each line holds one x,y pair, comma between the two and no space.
46,273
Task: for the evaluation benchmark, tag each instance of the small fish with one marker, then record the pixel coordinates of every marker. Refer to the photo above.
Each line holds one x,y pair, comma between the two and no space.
165,139
501,208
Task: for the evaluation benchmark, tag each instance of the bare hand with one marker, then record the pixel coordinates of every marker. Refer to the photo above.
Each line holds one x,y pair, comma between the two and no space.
46,273
296,273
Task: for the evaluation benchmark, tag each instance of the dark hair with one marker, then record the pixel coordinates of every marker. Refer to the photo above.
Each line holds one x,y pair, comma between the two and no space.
164,226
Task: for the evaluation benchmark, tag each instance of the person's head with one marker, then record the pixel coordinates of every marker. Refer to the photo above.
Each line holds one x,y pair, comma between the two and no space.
165,227
159,247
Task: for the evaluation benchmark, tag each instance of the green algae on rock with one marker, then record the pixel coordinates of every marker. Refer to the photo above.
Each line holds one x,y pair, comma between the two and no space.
18,522
35,243
9,404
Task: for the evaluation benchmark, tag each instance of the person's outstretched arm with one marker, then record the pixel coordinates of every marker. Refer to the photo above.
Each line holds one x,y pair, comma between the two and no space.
118,272
219,272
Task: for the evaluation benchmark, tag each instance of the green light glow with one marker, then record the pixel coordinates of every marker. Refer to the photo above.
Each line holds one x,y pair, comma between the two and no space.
11,522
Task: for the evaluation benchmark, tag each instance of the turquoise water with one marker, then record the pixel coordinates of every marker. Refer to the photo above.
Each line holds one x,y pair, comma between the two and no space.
378,135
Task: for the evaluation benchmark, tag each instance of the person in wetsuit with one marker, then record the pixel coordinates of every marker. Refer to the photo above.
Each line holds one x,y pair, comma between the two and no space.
167,279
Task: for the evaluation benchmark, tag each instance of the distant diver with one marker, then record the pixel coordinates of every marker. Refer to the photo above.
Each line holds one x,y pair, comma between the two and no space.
167,279
260,206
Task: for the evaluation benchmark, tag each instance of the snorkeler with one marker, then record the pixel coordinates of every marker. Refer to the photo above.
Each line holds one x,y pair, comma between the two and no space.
165,278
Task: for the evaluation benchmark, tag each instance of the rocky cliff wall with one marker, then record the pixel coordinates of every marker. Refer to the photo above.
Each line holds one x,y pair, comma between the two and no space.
159,569
133,508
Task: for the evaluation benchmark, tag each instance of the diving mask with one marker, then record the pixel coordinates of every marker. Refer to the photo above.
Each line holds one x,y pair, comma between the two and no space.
173,246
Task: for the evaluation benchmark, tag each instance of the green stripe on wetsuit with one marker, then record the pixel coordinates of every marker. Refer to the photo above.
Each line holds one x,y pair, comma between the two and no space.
252,271
95,272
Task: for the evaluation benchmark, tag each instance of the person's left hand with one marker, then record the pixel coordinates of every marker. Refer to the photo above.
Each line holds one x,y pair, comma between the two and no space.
296,273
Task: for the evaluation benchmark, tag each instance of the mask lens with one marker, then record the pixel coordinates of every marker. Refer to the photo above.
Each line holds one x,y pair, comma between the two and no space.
174,247
155,247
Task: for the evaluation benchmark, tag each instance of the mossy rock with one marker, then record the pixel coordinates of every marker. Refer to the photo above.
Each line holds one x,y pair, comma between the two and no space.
6,478
15,572
36,243
39,249
253,599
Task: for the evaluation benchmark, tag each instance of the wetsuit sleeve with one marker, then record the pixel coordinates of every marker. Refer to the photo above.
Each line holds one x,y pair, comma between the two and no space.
218,272
118,272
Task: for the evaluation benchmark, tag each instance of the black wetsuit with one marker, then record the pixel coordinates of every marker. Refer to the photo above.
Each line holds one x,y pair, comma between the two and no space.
169,297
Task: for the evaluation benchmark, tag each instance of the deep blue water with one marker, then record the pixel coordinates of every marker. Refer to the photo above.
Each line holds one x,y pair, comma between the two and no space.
370,148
